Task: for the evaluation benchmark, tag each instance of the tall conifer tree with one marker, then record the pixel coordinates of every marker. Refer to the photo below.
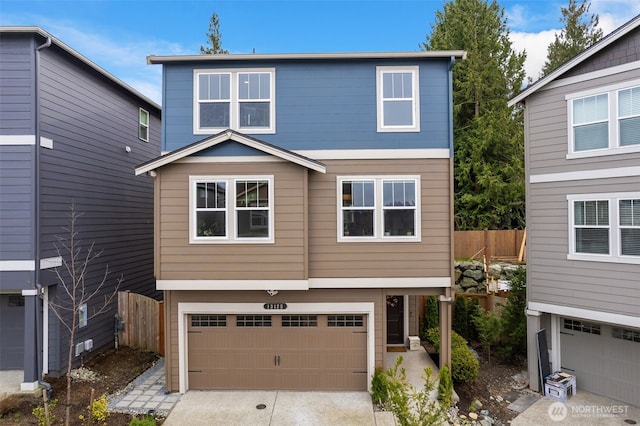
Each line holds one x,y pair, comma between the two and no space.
488,135
580,31
214,38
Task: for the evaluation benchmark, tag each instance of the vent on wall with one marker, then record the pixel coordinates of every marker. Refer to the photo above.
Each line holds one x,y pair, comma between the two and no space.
79,348
88,344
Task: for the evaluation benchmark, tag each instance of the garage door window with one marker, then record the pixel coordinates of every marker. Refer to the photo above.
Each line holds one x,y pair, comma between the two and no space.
253,321
625,334
345,320
585,327
299,320
208,320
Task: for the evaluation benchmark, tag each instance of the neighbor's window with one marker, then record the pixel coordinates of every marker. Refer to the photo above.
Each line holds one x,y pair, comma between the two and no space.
232,209
629,211
397,98
591,226
604,121
376,208
629,116
591,123
240,100
143,125
605,227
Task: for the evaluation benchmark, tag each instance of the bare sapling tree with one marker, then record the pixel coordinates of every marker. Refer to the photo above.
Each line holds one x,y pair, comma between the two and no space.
75,292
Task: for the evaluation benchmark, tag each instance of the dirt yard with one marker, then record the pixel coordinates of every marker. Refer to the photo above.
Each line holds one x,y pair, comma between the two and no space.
106,373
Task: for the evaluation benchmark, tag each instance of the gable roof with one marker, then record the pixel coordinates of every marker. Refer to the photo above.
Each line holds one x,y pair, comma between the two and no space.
578,59
230,135
39,31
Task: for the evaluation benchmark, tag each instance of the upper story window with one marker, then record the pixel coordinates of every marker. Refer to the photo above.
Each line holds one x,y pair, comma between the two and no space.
398,103
143,125
242,100
231,209
378,208
605,227
604,121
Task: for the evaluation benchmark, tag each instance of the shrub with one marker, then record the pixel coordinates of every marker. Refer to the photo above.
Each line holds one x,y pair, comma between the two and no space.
431,313
489,329
464,364
41,414
473,311
144,421
445,387
99,409
379,387
409,405
460,317
514,319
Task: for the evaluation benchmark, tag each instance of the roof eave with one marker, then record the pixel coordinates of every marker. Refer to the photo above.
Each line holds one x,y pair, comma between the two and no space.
458,54
585,54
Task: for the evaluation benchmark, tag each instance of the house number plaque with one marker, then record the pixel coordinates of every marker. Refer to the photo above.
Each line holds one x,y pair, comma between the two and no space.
275,306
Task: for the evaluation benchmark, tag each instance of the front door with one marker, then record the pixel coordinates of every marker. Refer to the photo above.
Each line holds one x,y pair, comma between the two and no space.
395,320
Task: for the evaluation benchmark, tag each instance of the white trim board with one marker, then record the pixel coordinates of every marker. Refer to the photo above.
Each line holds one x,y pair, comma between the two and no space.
587,314
185,309
586,174
29,265
311,283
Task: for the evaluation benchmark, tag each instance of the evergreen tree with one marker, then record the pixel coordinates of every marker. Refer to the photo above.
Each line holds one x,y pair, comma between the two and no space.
580,31
488,135
214,38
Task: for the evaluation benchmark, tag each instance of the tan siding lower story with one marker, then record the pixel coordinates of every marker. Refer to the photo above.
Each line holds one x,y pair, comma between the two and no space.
375,296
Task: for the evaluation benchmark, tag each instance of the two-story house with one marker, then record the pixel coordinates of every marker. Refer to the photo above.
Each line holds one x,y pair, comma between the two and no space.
582,139
303,207
70,134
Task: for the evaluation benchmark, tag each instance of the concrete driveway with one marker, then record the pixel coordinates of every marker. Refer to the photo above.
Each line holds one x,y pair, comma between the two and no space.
274,408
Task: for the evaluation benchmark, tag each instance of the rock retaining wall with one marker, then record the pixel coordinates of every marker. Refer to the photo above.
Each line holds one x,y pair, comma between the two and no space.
471,278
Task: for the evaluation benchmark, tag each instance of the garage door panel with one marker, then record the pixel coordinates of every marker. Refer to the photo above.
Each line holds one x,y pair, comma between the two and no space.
294,356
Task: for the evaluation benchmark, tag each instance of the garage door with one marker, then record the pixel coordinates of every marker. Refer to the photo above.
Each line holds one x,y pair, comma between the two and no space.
300,352
605,359
12,333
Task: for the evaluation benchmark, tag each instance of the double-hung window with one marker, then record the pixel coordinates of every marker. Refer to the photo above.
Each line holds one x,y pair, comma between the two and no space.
398,104
242,100
604,121
143,125
605,227
231,209
378,208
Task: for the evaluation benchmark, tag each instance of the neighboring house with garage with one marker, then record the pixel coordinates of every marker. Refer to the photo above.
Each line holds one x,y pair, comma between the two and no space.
582,152
303,209
70,134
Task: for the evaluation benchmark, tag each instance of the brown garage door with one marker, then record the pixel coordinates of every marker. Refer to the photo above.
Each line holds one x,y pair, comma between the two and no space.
301,352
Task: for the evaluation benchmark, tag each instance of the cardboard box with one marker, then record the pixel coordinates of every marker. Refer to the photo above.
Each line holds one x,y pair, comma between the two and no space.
560,386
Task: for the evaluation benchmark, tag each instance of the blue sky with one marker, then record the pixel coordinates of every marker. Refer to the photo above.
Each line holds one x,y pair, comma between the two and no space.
119,34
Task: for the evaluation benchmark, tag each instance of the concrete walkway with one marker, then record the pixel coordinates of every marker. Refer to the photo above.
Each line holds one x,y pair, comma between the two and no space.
583,408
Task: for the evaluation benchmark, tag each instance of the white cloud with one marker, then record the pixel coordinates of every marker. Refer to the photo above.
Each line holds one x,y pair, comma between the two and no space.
535,44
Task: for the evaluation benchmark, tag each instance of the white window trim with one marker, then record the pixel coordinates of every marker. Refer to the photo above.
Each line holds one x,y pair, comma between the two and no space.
234,117
231,211
141,124
615,249
613,121
378,223
414,70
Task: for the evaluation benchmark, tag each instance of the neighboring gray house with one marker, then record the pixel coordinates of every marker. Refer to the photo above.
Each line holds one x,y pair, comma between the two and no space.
70,133
582,155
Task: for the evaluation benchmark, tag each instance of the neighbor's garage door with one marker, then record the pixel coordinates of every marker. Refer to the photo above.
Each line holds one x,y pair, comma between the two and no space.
12,333
604,359
301,352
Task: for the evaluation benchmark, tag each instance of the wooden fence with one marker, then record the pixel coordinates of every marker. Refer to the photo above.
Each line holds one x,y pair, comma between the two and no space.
143,322
506,244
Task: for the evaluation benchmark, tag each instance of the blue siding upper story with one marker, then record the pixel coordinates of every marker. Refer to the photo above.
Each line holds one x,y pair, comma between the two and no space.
16,84
320,104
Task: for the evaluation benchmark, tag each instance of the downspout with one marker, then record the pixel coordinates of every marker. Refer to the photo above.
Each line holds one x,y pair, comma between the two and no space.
38,319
